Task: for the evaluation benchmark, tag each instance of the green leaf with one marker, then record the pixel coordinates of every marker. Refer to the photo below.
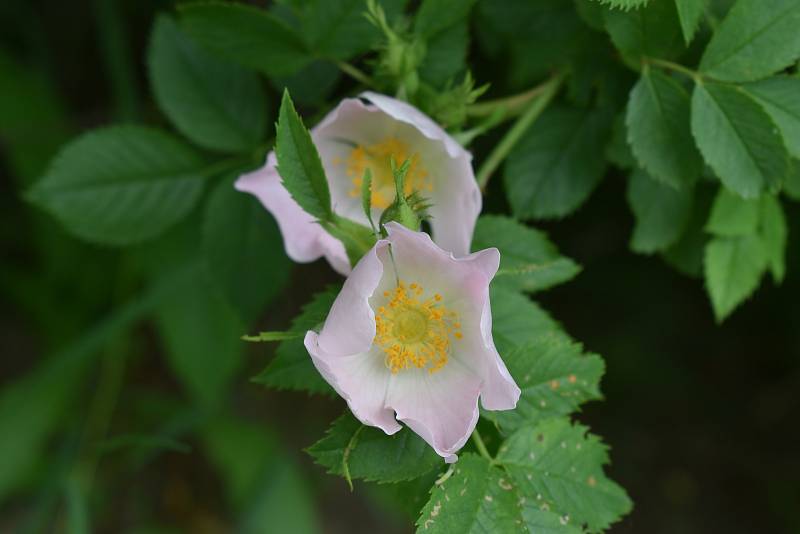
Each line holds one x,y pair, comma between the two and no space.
292,368
353,450
690,13
41,398
243,248
339,29
560,466
480,498
738,139
312,85
201,335
756,39
262,482
686,254
33,118
618,151
517,320
528,260
356,238
240,451
652,31
215,104
245,35
434,16
780,97
283,500
555,378
446,55
557,163
121,185
77,506
659,130
299,164
792,185
773,231
733,216
733,268
661,213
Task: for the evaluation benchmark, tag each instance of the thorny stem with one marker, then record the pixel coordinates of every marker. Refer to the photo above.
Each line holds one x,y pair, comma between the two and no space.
481,446
355,73
502,149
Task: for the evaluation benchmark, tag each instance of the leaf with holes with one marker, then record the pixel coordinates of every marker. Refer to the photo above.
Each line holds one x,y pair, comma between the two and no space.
481,498
560,467
353,450
738,139
756,39
555,377
291,368
659,130
121,185
528,260
661,212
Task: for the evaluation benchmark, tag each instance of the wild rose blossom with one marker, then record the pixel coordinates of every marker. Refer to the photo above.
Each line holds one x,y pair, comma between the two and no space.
409,338
358,135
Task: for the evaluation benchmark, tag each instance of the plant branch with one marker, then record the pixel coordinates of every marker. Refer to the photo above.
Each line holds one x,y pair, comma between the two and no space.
355,73
481,446
506,144
511,105
663,63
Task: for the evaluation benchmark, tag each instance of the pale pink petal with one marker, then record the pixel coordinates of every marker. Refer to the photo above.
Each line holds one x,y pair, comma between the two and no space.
361,380
404,112
456,196
350,325
441,407
304,239
464,282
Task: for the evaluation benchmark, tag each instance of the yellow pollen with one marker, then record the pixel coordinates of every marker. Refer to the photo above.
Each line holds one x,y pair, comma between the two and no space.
415,332
377,158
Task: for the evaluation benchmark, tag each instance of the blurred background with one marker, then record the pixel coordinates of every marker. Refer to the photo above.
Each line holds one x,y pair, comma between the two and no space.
97,432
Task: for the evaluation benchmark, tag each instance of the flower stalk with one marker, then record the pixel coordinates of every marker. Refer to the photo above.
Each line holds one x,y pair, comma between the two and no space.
535,108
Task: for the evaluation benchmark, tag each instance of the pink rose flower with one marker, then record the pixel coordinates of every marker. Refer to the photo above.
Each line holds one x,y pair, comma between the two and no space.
409,338
356,136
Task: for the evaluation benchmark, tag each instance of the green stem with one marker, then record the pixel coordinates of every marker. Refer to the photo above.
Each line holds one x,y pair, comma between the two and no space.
511,105
663,63
355,73
481,446
506,144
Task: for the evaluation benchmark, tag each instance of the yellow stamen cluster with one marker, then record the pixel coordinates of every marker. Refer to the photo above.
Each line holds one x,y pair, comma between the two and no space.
414,331
377,158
